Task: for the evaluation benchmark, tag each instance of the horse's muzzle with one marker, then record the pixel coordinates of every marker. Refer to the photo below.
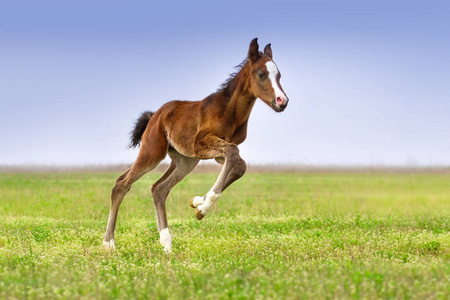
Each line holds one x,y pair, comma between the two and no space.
279,105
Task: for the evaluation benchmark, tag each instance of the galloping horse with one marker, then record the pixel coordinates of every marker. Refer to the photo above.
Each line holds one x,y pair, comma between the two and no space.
194,130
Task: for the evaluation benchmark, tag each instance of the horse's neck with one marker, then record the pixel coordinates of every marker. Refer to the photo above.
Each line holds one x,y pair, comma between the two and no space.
242,99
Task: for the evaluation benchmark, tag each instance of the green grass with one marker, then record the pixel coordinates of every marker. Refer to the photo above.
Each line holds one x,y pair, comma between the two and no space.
279,236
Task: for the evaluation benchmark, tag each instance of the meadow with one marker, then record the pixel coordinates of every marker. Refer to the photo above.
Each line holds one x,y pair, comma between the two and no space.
270,236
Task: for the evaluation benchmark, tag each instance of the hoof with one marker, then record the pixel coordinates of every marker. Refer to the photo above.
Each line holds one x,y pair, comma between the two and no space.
191,203
167,250
198,214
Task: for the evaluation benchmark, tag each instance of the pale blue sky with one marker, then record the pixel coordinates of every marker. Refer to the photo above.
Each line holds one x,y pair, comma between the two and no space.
368,81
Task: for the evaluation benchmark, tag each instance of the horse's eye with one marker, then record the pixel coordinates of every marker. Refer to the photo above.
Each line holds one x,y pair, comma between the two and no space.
261,75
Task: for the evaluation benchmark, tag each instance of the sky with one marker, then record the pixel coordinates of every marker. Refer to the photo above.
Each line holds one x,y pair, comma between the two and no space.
368,81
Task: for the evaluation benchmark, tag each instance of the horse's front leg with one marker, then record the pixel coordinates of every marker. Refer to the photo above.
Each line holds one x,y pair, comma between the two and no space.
234,168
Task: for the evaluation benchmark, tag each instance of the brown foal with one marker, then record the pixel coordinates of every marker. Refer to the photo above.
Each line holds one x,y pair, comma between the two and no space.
194,130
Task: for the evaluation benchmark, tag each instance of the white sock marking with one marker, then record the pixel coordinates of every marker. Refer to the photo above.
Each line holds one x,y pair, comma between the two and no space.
109,245
197,201
166,240
210,198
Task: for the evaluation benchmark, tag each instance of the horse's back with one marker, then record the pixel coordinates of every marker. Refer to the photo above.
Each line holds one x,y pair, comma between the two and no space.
181,121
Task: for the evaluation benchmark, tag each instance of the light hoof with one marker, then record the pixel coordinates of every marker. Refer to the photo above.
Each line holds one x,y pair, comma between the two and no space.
196,201
167,250
109,246
191,203
198,214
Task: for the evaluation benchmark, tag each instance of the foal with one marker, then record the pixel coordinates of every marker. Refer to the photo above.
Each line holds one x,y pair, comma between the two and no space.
194,130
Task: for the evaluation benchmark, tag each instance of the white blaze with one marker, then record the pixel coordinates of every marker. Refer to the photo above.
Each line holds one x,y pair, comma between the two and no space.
273,72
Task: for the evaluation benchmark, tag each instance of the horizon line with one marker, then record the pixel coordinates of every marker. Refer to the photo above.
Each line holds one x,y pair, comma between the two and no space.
210,167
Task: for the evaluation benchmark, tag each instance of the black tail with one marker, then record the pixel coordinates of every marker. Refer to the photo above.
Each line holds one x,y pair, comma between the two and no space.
139,129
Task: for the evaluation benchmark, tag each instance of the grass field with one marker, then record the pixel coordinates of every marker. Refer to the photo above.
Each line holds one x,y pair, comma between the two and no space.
271,236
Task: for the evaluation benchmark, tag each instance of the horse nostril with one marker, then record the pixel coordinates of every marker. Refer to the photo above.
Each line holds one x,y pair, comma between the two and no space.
279,100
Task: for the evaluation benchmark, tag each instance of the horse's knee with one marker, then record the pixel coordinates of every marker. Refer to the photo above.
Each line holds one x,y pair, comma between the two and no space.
238,164
239,168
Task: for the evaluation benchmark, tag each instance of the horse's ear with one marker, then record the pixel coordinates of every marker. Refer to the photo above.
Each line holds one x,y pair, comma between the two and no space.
268,51
253,51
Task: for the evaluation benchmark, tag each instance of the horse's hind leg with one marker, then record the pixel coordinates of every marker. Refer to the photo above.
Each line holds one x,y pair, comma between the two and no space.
117,194
149,157
179,168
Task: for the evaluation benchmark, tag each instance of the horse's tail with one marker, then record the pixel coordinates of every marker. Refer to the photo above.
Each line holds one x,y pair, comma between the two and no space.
139,129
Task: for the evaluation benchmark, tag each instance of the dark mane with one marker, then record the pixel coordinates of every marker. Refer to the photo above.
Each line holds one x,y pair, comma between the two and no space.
228,86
